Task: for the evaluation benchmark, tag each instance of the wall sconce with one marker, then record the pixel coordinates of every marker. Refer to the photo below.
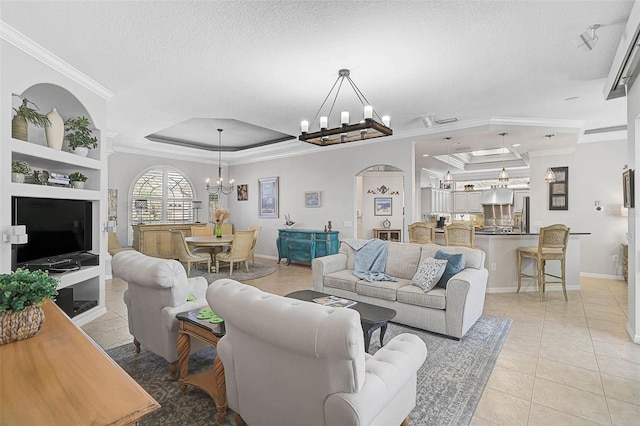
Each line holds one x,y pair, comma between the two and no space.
111,226
16,235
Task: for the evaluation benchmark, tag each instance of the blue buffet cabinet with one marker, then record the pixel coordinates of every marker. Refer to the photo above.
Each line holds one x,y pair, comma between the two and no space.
303,245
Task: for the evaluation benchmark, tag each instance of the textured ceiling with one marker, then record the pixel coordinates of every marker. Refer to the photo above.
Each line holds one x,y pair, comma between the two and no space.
271,63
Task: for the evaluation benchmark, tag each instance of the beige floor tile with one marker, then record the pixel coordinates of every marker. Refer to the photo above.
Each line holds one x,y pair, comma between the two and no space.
562,319
612,308
523,343
106,326
511,382
623,414
569,375
571,401
502,409
606,325
621,389
619,337
619,367
619,318
551,341
567,329
567,356
478,421
627,351
517,361
602,300
545,416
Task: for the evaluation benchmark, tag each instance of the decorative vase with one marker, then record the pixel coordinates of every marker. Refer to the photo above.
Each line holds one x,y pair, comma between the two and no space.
329,226
55,130
17,177
77,184
218,231
20,325
19,128
81,151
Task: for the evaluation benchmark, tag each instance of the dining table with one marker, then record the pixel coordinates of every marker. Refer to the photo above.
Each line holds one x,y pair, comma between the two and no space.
210,241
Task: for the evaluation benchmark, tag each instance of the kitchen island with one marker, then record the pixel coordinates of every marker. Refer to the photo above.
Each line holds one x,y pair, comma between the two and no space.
502,260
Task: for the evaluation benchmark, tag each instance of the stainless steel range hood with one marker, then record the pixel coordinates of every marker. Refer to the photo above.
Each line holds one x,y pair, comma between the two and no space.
497,197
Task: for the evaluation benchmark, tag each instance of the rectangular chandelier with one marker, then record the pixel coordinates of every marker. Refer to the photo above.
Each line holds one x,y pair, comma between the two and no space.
368,128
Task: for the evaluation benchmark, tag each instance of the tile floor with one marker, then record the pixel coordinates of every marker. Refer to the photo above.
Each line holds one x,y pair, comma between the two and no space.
564,363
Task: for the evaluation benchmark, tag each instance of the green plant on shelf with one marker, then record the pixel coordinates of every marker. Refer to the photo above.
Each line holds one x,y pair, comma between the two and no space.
31,115
77,177
24,288
78,133
21,167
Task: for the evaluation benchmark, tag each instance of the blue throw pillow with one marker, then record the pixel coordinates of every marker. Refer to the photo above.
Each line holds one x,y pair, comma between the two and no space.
455,264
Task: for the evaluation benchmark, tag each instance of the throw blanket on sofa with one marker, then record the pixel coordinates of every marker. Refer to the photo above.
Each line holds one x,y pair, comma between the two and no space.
370,259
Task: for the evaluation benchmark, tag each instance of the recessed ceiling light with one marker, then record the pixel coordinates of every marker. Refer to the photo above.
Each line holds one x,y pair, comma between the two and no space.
425,155
572,98
516,144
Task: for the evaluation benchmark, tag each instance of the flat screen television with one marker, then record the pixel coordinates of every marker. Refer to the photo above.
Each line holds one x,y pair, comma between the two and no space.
55,227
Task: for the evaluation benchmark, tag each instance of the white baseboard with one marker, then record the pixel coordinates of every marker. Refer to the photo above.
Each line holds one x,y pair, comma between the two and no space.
634,337
532,289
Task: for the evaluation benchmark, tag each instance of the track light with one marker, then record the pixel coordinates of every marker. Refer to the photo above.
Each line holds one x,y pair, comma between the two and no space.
588,39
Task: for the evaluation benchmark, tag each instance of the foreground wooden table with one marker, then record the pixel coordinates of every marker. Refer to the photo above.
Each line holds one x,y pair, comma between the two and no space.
61,377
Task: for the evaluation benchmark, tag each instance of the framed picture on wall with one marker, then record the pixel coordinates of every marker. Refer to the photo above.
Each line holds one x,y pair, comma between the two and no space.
559,189
382,206
243,192
312,199
628,188
268,197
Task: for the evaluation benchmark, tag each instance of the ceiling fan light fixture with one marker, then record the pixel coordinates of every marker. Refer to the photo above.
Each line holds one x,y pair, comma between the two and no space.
588,39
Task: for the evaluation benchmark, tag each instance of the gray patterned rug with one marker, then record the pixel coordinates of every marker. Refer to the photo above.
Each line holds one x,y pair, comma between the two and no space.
450,382
239,272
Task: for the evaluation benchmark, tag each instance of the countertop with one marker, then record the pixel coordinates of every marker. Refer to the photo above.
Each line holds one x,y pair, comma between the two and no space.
511,234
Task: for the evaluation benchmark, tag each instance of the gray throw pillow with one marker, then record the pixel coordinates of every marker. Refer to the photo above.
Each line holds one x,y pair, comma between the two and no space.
428,273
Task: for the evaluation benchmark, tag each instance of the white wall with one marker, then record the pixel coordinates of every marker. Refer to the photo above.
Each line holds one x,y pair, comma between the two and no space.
595,174
371,182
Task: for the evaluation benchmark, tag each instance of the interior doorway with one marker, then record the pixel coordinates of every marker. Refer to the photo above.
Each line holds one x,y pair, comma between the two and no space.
380,201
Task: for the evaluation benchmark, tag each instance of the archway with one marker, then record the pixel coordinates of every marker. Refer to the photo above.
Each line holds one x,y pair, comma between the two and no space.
380,200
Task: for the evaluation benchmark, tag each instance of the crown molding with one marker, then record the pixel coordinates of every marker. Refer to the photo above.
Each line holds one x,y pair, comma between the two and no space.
549,152
32,48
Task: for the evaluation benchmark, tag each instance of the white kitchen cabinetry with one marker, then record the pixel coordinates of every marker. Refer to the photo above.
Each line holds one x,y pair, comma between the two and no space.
436,201
518,199
467,202
23,76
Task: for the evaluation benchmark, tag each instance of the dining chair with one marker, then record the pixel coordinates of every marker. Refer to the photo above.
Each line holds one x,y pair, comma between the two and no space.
460,234
422,233
239,251
203,231
185,255
552,245
257,230
227,228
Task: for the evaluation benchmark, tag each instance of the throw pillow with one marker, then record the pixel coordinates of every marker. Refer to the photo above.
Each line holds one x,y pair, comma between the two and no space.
454,265
428,273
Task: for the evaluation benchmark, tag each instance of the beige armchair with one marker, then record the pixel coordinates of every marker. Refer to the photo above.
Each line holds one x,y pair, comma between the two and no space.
422,233
188,256
300,363
257,230
158,289
239,251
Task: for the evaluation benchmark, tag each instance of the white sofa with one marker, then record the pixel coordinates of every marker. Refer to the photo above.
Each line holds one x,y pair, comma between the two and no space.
158,289
451,311
291,362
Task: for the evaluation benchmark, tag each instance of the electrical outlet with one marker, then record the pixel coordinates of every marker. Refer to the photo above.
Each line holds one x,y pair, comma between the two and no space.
493,266
615,258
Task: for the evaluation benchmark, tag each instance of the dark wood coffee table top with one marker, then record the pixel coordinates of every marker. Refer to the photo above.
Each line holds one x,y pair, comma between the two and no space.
368,313
192,318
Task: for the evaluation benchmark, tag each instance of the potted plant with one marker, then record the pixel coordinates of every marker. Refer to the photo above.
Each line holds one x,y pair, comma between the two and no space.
24,115
77,180
21,294
18,170
79,136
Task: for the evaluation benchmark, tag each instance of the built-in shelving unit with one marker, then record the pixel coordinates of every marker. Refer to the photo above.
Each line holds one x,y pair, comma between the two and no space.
24,76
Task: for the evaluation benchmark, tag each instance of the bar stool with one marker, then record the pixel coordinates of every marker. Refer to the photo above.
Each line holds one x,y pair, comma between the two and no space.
422,233
552,245
460,234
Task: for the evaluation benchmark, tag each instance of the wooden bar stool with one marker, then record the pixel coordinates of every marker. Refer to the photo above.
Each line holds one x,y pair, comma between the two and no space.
460,234
422,233
552,245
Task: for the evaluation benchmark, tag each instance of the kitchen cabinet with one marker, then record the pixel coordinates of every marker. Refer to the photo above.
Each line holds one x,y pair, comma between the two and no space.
518,199
435,201
467,202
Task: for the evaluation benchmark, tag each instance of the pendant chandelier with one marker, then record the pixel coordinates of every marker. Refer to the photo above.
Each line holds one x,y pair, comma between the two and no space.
448,178
368,128
550,177
503,177
219,188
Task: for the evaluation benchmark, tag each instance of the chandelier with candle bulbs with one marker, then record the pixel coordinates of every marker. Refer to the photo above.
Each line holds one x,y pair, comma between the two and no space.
220,188
367,128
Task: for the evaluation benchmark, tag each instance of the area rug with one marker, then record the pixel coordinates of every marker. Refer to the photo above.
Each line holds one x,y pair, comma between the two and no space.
450,382
239,273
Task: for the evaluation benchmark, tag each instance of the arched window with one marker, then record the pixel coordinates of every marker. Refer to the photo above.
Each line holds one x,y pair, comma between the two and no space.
161,195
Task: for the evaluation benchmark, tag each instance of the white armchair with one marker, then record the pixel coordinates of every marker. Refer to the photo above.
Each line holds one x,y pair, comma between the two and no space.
290,362
158,290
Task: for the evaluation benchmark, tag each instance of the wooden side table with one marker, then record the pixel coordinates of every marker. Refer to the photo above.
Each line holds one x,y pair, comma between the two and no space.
211,381
388,234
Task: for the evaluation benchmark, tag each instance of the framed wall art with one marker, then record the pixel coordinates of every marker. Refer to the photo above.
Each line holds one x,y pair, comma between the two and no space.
268,197
628,188
312,199
243,192
559,189
382,206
